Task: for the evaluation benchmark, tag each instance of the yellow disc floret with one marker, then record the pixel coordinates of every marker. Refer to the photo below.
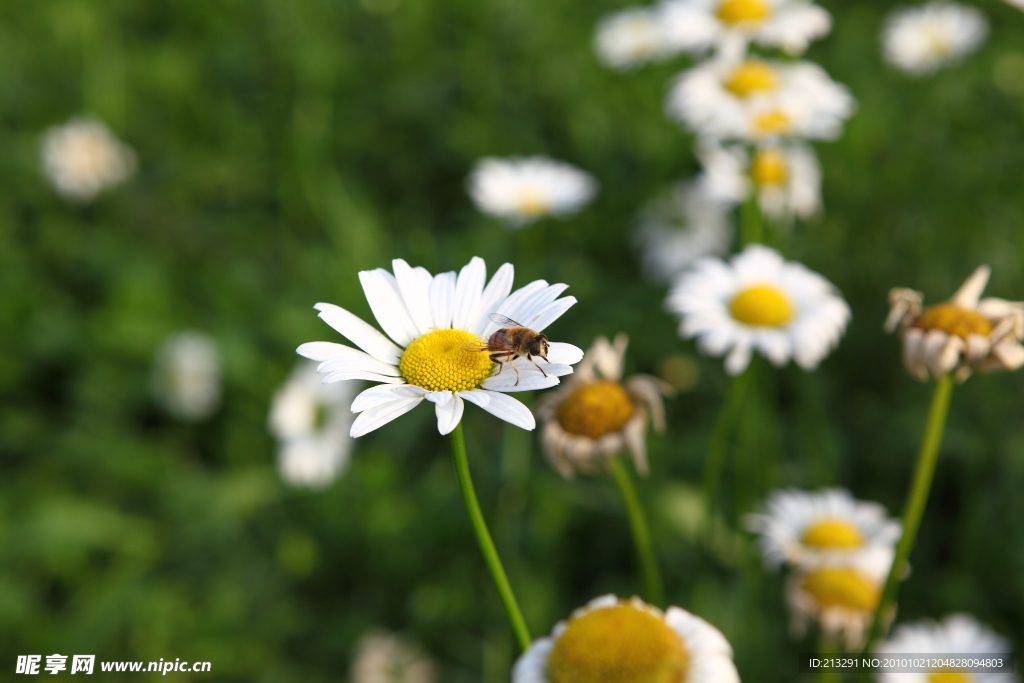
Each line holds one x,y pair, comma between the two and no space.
772,122
948,677
595,409
841,587
742,11
954,320
619,644
750,77
532,202
441,361
762,306
768,167
833,534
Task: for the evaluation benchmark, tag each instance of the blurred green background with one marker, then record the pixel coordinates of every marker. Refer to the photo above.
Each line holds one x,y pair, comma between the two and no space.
282,147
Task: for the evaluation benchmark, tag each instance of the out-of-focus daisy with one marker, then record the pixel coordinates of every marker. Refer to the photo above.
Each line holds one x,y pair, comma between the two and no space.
383,657
612,641
186,376
1019,4
521,190
758,301
597,415
958,634
841,596
786,177
311,422
757,99
799,527
962,334
729,25
82,158
436,325
680,227
921,40
632,37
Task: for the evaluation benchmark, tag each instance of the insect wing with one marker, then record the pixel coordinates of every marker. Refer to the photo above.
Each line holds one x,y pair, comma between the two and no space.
499,319
474,345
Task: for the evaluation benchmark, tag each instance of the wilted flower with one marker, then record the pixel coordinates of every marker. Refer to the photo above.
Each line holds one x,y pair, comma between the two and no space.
631,37
186,376
758,99
962,334
596,415
921,40
436,326
383,657
800,527
957,634
758,301
521,190
311,422
82,157
612,641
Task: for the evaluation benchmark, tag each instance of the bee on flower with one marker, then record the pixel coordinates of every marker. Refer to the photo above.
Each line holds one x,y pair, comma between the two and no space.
611,641
632,37
964,334
186,379
522,190
82,158
921,40
957,634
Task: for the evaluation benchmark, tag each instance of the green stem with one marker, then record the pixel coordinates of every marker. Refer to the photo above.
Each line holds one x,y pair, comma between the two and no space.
483,538
828,649
655,592
751,222
917,497
720,434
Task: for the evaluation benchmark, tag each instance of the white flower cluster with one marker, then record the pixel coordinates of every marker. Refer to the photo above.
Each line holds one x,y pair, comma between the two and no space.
923,39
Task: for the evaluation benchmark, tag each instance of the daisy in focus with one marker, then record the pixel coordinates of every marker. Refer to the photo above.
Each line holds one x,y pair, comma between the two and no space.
958,634
612,641
798,527
521,190
730,25
632,37
383,657
596,415
435,327
311,421
186,378
921,40
785,177
82,158
964,334
759,302
758,99
680,227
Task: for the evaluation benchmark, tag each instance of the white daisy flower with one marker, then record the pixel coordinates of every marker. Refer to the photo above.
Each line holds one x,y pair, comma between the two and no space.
612,641
921,40
383,657
680,227
82,158
758,301
958,634
186,377
758,99
800,527
311,421
436,324
786,177
521,190
634,36
964,334
841,596
730,25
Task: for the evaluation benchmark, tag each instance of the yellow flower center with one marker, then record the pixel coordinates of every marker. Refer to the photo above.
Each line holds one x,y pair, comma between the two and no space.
772,122
439,361
620,644
832,534
841,587
595,409
769,167
948,677
751,76
953,320
762,306
532,202
742,11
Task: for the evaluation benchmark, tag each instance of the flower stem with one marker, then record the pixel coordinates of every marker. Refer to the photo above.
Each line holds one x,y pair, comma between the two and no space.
655,591
828,648
720,436
751,222
917,497
483,538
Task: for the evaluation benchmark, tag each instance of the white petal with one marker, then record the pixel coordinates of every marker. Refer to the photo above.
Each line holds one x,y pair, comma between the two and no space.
506,381
380,415
448,413
361,374
322,350
381,290
738,359
347,358
552,312
564,354
468,291
505,407
414,284
495,292
442,299
970,291
360,333
384,393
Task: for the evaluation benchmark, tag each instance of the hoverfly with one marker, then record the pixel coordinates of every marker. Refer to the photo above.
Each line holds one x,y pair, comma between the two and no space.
511,342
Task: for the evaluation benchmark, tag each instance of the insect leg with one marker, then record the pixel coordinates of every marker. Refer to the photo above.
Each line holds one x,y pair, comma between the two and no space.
539,367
